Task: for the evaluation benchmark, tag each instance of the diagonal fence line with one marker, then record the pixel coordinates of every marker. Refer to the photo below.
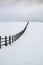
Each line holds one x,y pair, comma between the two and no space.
12,38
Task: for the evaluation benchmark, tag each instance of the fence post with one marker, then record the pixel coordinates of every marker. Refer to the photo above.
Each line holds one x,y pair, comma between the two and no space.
0,41
9,39
5,40
12,38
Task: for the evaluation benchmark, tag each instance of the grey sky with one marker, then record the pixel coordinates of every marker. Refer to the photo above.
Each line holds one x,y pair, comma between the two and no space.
21,11
19,1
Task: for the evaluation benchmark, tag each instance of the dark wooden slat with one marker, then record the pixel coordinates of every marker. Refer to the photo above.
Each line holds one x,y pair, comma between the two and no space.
5,40
10,39
0,41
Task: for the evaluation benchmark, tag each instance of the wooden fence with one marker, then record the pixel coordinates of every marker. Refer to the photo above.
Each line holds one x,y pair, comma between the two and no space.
11,38
6,40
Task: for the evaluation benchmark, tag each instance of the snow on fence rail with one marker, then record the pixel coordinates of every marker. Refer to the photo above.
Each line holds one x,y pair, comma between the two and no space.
11,38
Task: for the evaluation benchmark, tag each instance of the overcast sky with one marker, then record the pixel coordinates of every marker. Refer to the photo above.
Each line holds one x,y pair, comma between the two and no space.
21,1
21,10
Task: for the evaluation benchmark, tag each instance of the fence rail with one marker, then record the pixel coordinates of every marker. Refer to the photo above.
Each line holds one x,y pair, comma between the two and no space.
11,38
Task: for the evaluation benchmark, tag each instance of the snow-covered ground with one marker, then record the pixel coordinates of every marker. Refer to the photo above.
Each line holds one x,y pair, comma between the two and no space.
28,49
